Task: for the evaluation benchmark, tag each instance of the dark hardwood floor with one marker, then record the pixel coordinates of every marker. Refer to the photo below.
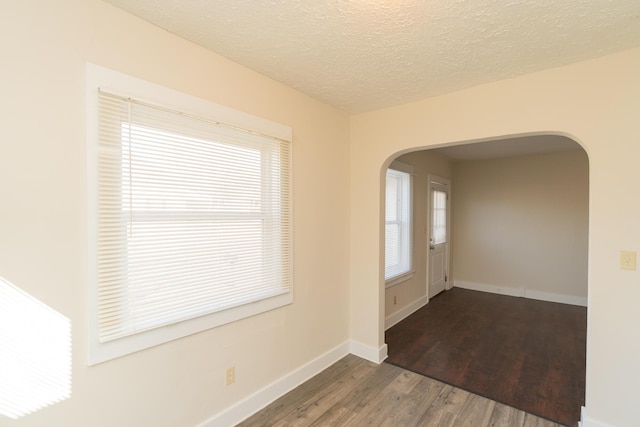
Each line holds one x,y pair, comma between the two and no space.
525,353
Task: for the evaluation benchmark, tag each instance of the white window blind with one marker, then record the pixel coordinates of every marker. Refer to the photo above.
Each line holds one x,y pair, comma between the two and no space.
192,217
397,223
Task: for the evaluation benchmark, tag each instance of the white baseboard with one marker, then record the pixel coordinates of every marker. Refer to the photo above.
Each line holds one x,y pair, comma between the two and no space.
261,398
484,287
405,312
521,292
564,299
372,354
585,421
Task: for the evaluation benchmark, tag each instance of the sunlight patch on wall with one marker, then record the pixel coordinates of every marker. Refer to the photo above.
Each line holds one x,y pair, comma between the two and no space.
35,353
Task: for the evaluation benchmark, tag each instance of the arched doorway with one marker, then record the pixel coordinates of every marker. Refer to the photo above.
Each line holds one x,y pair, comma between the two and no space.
520,227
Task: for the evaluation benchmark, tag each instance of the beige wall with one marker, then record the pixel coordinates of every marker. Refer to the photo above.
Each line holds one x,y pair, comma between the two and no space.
596,103
522,223
44,47
412,291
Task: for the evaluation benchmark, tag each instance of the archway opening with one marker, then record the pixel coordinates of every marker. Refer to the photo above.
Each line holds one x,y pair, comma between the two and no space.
519,229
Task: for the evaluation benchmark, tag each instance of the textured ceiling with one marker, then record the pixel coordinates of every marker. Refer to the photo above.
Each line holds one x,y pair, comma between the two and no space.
360,55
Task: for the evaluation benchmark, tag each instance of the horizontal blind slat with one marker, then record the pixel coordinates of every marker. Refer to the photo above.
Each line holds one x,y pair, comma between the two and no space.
192,217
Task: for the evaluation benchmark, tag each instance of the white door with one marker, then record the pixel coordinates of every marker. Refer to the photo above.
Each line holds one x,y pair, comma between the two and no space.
438,235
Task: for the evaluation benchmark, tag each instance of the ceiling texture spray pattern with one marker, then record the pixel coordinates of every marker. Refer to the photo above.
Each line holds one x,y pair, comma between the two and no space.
360,55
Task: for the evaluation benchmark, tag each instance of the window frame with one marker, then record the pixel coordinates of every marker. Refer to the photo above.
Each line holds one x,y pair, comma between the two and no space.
129,86
408,272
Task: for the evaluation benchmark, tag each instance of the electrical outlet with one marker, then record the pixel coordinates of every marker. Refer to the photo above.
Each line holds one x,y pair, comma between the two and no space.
628,260
231,375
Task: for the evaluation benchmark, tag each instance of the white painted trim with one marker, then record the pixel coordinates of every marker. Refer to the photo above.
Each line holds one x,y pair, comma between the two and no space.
263,397
405,312
372,354
564,299
402,167
521,292
399,279
494,289
585,421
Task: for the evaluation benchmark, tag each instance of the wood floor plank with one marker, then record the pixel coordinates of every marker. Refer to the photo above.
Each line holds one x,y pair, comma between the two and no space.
354,392
475,412
444,409
389,399
332,392
336,396
335,416
342,375
506,416
362,396
416,403
533,421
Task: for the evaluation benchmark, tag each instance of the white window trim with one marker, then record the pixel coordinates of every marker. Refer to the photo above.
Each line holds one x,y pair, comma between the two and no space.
115,82
402,167
407,275
396,280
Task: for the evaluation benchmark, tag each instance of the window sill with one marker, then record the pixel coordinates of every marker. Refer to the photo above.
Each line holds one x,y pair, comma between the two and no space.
399,279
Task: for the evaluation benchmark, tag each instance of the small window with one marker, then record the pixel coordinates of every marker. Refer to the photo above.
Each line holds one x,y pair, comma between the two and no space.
397,223
190,225
439,217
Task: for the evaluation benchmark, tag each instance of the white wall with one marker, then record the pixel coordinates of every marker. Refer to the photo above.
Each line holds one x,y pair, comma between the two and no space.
44,47
596,103
522,224
405,297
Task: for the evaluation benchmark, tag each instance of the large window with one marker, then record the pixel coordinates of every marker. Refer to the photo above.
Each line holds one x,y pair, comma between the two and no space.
191,222
397,222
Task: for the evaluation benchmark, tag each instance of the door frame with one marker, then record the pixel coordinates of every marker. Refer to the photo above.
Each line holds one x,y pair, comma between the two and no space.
433,181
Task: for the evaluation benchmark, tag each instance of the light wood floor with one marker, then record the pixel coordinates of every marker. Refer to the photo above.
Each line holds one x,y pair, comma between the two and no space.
355,392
